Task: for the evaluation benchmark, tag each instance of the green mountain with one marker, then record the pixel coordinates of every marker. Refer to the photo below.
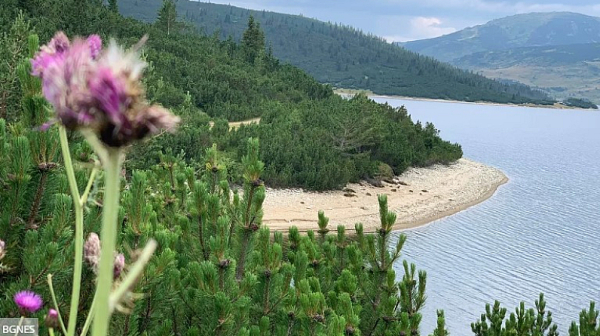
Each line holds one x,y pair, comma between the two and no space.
522,30
555,52
564,71
343,56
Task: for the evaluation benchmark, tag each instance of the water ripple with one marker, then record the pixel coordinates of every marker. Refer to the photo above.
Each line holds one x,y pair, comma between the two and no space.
536,234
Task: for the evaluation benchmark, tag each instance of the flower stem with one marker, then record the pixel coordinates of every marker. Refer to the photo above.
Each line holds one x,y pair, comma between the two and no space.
90,317
86,193
20,324
110,215
60,319
133,275
64,144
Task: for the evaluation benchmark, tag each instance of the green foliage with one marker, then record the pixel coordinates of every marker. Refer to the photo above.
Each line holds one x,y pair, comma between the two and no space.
578,102
310,137
13,48
588,323
167,17
35,207
325,145
440,329
217,269
113,6
526,322
253,40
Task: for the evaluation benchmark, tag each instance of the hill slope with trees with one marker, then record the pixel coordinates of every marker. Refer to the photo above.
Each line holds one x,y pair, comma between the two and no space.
343,56
310,137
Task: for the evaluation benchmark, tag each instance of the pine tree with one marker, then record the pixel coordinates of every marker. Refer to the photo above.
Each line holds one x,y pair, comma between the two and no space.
253,41
167,17
588,323
440,329
113,6
218,270
526,322
13,46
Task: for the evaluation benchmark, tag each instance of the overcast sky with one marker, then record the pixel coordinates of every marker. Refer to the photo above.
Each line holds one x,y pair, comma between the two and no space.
405,20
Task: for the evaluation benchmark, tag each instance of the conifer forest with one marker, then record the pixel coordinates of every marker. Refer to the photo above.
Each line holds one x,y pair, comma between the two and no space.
129,207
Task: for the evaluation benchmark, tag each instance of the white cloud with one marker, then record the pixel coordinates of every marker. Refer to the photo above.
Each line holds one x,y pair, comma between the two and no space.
415,28
427,27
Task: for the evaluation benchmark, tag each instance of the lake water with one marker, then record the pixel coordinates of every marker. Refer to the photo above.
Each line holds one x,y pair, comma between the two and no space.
538,233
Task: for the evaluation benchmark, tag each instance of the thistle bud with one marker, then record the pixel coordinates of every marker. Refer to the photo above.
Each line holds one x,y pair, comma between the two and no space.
51,320
91,251
119,265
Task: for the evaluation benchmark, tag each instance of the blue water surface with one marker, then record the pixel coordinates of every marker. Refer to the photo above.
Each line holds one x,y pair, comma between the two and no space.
540,232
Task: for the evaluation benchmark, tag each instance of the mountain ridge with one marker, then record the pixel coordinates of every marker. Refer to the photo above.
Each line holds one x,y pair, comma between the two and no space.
520,30
557,52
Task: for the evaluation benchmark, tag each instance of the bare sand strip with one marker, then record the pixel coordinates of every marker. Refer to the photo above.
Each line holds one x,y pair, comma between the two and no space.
418,196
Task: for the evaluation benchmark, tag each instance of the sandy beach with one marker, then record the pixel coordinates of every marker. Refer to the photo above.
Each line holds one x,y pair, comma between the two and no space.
418,196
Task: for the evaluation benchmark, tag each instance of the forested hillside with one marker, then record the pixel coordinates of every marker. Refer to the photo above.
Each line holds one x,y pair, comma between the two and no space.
309,136
343,56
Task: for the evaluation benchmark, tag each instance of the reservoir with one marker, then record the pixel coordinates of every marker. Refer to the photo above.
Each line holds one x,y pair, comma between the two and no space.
540,232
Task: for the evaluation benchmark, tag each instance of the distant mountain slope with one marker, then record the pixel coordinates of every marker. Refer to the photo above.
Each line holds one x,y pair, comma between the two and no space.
542,56
522,30
556,52
343,56
565,71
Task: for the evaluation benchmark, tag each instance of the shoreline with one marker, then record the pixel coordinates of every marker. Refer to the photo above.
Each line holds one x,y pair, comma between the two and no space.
419,196
437,100
463,207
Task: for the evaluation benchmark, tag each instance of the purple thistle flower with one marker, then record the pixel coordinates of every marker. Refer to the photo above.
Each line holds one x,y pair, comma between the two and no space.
49,54
59,43
99,90
28,302
110,95
52,313
64,86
